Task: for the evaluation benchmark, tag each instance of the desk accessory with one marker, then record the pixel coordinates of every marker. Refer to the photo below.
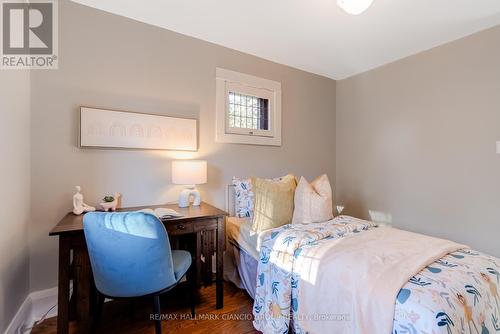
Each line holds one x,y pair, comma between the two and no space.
189,173
79,205
110,203
162,213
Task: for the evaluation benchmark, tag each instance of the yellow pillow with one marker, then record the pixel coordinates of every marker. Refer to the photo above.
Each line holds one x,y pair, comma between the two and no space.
273,206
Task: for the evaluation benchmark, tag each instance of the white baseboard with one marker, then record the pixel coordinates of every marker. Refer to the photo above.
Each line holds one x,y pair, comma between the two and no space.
19,319
37,305
43,303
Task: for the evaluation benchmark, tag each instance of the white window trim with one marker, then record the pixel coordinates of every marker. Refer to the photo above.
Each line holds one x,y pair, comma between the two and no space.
226,79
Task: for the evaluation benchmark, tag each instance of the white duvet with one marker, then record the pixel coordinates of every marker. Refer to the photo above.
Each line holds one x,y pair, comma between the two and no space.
363,274
342,276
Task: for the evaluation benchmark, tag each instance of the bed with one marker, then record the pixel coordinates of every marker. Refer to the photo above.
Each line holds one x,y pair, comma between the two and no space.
242,248
241,255
307,279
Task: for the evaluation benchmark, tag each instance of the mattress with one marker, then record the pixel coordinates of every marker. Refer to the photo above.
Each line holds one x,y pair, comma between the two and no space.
239,232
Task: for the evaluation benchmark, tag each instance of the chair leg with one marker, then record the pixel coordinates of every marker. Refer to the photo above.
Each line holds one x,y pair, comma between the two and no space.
98,311
157,312
131,309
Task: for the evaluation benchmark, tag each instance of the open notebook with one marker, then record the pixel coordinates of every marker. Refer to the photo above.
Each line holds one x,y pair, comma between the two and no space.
162,213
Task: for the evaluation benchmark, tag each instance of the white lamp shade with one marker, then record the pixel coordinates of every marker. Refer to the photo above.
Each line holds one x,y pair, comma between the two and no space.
189,172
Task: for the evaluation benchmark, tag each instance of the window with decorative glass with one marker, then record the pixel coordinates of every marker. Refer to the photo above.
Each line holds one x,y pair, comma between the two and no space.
251,112
248,112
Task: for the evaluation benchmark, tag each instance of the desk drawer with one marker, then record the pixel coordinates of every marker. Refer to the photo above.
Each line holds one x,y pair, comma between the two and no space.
205,225
179,228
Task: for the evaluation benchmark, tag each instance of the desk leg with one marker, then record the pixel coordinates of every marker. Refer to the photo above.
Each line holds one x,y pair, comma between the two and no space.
82,277
198,259
219,288
63,286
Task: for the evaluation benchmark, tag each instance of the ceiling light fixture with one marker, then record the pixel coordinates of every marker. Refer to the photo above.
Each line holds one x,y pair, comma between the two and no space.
354,7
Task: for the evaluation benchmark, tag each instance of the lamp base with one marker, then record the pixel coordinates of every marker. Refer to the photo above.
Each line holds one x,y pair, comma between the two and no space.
185,196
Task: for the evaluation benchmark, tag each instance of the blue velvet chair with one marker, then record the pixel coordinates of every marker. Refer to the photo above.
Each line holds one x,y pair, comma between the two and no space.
130,256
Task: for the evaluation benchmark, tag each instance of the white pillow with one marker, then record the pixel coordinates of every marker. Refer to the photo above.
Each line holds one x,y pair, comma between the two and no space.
313,202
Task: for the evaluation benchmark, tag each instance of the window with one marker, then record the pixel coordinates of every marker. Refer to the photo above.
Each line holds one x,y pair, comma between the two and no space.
248,109
248,112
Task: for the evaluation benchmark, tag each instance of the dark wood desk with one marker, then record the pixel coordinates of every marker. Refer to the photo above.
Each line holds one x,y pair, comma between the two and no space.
204,223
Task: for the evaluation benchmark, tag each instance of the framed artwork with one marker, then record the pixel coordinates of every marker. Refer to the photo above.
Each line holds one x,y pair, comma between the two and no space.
100,128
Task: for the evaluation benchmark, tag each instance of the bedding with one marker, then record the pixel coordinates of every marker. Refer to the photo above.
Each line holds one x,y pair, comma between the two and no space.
316,278
273,202
239,231
240,268
244,195
313,201
242,253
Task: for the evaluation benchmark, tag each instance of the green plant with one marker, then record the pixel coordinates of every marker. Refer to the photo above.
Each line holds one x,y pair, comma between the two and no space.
108,199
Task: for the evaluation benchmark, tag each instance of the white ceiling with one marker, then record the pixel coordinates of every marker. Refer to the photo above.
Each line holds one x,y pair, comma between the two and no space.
315,35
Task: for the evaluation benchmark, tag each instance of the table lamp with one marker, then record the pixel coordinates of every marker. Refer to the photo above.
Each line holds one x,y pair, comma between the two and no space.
189,173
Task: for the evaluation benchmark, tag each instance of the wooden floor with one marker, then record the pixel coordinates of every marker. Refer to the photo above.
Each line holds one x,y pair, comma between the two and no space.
126,317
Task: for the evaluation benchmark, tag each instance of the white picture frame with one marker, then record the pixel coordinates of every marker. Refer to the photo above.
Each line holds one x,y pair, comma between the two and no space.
115,129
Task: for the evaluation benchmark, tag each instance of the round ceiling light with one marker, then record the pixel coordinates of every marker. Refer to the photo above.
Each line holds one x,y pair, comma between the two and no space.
354,7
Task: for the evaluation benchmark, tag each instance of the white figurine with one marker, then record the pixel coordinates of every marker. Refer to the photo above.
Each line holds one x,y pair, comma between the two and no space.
79,206
106,206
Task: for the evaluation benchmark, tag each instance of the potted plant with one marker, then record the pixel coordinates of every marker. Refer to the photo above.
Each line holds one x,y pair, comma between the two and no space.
110,202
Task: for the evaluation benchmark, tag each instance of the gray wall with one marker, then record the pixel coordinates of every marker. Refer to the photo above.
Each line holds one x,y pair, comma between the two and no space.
112,62
416,140
14,191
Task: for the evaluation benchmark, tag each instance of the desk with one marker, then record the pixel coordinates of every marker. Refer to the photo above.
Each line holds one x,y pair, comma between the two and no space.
204,223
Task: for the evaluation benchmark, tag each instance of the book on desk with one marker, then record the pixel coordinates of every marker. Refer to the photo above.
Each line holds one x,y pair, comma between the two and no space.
162,213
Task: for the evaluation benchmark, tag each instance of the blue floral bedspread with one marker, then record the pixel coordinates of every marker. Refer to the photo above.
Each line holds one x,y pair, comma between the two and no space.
456,294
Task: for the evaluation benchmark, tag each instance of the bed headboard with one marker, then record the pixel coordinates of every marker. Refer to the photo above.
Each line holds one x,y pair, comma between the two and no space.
230,200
